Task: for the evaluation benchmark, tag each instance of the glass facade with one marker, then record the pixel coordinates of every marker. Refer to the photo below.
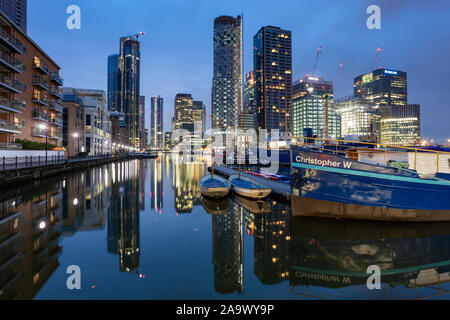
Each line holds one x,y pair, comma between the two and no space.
227,79
156,122
113,83
400,125
16,10
360,119
272,64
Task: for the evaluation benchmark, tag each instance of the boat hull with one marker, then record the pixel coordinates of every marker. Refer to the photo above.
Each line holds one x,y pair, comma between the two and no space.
218,188
257,192
324,176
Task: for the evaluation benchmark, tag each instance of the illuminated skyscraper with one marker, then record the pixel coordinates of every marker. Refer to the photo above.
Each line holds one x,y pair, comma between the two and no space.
272,63
144,142
156,122
129,68
249,120
400,125
382,86
227,79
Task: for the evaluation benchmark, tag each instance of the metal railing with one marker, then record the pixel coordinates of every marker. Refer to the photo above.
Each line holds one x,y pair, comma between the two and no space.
9,125
41,100
56,106
38,81
10,60
10,146
55,77
11,39
424,161
13,83
11,104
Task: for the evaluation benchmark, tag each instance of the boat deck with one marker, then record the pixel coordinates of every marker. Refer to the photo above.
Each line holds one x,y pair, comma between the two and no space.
213,184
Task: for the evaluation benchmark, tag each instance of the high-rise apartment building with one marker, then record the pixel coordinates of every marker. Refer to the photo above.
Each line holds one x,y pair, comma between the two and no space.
384,87
400,125
73,124
113,83
30,99
227,78
249,119
156,122
129,68
144,143
16,11
272,64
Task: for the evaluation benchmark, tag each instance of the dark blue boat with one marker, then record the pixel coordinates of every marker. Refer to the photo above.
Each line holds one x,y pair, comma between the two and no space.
331,177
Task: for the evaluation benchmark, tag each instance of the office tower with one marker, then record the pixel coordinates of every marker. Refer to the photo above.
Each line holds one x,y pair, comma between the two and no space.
30,100
73,124
384,87
249,119
16,11
190,116
113,83
309,108
360,119
400,125
97,122
129,68
272,60
144,143
156,122
227,78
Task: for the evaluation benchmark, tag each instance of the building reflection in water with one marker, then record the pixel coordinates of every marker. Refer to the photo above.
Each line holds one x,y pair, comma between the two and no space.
30,227
187,173
123,215
156,185
227,250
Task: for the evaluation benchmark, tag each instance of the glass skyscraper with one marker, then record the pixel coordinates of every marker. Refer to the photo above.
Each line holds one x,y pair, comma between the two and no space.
16,10
400,125
113,83
156,122
272,64
129,68
227,79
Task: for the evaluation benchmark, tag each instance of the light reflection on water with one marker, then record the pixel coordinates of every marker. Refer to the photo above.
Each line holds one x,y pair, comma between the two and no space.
141,230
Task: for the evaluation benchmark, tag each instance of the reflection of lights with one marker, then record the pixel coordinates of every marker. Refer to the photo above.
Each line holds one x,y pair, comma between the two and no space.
42,225
75,201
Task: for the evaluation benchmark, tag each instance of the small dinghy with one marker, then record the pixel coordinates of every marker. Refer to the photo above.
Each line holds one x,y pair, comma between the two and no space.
214,187
253,206
248,188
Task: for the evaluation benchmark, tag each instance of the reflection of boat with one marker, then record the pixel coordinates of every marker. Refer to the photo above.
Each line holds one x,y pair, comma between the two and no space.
331,177
214,187
215,206
248,188
336,254
253,206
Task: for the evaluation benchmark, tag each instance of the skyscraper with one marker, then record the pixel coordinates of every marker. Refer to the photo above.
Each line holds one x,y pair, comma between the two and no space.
113,83
272,64
129,68
144,143
384,87
156,122
249,120
400,125
308,111
227,79
16,10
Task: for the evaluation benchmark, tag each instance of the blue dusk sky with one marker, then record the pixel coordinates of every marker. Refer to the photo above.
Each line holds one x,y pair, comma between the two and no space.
177,51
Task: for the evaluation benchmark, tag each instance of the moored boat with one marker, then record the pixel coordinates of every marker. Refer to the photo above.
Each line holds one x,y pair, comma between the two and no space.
248,188
214,187
332,177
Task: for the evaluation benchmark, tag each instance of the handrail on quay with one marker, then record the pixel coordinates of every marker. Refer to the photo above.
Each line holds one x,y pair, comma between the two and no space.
332,145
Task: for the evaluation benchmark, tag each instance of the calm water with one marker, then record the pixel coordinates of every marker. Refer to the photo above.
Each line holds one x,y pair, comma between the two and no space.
140,230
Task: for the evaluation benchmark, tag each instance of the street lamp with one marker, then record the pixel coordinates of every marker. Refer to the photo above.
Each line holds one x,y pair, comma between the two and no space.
76,136
44,127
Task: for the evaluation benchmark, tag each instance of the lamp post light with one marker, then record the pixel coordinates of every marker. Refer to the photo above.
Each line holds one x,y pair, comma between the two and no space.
44,127
76,136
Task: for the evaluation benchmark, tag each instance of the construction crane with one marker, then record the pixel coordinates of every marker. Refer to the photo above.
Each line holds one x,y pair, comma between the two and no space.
319,52
375,60
137,35
341,66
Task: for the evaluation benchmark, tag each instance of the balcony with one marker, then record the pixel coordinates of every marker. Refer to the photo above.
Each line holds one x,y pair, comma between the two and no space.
55,92
39,82
38,132
8,63
56,78
41,67
9,126
56,105
38,115
10,105
8,84
41,100
56,136
57,122
10,146
10,41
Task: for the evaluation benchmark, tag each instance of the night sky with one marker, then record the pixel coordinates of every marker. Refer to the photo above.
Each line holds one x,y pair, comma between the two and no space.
177,49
